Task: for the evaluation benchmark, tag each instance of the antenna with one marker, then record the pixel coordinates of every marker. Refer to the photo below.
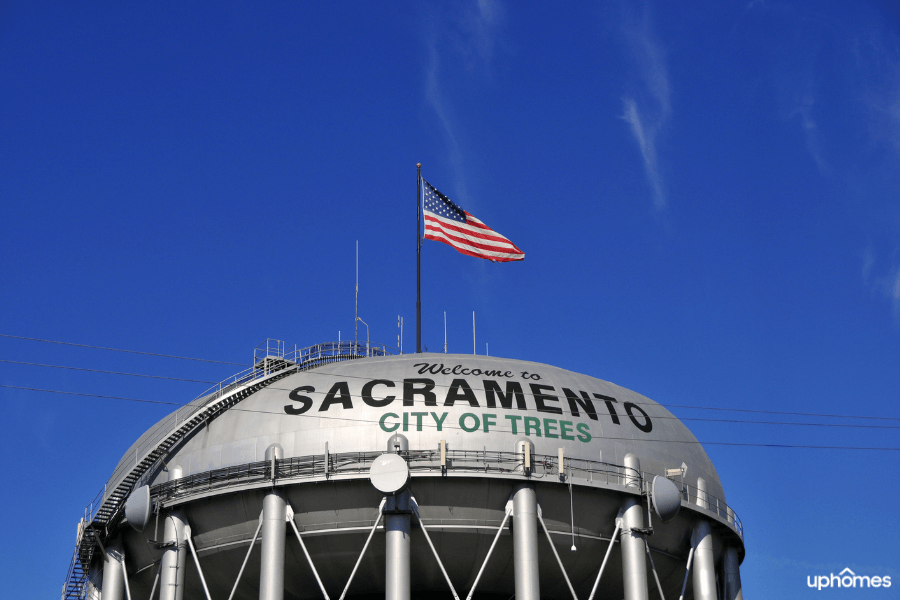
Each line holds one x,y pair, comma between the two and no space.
473,333
487,349
445,332
400,337
356,316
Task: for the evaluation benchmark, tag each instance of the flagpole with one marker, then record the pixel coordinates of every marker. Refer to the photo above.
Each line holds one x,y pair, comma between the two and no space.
418,257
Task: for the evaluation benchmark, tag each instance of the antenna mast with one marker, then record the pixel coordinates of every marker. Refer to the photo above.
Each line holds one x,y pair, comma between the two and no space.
356,316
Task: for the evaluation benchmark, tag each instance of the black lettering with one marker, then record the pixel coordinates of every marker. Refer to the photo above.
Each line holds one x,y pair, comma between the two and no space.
338,394
609,406
423,365
460,390
540,397
647,426
367,393
513,388
584,401
410,392
306,401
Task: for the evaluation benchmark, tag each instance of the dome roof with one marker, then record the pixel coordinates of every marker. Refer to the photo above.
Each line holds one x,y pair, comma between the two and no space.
472,402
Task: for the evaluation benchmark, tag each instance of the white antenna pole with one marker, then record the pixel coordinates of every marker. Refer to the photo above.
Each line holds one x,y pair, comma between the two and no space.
400,337
473,333
356,319
487,349
445,332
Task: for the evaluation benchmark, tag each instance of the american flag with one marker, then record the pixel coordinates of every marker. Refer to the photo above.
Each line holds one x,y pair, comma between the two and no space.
448,223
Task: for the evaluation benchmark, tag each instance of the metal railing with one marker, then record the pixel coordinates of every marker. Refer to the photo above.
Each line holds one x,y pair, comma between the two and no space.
269,357
425,461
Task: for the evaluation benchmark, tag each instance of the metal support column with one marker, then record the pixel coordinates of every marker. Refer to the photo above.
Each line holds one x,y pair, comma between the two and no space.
113,586
175,554
634,561
704,560
274,533
396,552
525,542
731,567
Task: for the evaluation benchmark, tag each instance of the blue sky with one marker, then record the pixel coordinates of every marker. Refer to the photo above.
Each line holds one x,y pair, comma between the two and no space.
706,194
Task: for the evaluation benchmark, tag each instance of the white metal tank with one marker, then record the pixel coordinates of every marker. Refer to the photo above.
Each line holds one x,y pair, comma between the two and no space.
503,457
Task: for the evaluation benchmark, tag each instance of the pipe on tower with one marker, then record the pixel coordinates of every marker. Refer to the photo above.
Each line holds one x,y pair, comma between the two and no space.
634,561
171,577
397,547
274,532
113,585
704,558
731,567
525,541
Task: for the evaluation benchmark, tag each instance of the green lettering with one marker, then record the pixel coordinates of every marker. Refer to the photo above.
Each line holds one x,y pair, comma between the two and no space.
550,428
486,420
565,429
439,422
533,424
586,432
387,427
462,422
513,420
418,417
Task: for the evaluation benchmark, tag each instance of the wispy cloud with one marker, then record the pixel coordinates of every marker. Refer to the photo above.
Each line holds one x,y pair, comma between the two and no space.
646,140
803,111
466,37
648,111
886,284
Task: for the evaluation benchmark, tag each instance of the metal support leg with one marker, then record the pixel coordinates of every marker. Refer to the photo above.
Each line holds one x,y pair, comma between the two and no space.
274,529
556,554
704,562
653,568
365,546
246,557
525,554
187,536
171,578
308,558
490,551
731,567
634,563
687,572
155,581
612,540
397,547
113,587
415,507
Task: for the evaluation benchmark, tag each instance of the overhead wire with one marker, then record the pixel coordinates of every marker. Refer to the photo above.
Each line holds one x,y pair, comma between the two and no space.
449,426
18,362
691,407
31,339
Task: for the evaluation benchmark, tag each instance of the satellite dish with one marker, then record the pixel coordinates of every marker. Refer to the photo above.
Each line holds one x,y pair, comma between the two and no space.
137,508
389,473
666,498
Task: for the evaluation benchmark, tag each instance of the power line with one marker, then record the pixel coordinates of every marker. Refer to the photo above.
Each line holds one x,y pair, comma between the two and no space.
651,403
16,362
746,410
221,362
757,411
448,426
